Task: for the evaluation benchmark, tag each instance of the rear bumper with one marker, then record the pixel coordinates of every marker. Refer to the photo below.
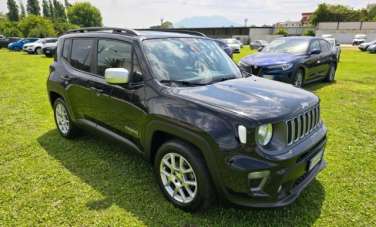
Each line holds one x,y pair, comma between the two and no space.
260,182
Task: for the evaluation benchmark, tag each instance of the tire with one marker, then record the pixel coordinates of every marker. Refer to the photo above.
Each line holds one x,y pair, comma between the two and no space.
330,77
38,51
201,194
63,121
299,78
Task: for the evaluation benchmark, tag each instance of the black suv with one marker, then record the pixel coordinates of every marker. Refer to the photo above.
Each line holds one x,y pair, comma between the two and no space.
210,130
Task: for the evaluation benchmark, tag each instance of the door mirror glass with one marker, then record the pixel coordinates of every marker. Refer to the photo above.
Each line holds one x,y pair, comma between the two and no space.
315,51
116,76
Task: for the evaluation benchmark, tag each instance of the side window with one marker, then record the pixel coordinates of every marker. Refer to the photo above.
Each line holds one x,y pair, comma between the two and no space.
315,45
324,46
113,54
67,48
137,76
80,56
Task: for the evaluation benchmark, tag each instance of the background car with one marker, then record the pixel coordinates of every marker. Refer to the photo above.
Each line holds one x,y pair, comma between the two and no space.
336,47
372,49
37,46
359,39
49,49
4,42
17,46
257,44
224,47
327,36
364,46
295,60
233,43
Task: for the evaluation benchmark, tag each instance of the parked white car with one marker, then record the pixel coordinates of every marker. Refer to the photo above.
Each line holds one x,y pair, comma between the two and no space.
359,39
37,46
327,36
234,44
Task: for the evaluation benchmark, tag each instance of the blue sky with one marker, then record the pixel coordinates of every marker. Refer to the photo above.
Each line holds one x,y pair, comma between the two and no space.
144,13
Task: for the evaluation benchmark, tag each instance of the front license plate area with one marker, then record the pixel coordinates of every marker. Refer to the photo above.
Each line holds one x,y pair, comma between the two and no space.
315,160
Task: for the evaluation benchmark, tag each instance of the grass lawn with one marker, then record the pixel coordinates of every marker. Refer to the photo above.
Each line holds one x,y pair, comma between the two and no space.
47,180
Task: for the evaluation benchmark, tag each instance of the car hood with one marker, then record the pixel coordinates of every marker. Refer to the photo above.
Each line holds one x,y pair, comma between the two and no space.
254,98
29,44
263,59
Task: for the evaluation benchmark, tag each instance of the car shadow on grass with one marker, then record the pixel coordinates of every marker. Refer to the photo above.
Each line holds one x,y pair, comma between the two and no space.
126,180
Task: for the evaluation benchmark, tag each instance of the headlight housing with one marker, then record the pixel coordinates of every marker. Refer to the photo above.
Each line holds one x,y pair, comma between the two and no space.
264,134
284,67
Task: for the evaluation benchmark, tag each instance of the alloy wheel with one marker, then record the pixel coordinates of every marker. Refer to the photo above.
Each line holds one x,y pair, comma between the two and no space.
299,79
62,118
178,178
332,73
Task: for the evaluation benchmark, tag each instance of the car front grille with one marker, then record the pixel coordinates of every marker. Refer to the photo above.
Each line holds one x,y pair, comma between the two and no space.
302,125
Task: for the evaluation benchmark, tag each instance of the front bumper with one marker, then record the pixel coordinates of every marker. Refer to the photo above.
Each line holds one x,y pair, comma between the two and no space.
256,181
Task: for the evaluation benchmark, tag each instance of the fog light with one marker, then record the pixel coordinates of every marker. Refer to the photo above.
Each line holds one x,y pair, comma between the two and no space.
257,180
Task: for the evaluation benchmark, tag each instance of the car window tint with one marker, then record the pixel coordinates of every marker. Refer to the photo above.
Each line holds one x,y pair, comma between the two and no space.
113,54
80,56
315,45
137,73
67,48
324,46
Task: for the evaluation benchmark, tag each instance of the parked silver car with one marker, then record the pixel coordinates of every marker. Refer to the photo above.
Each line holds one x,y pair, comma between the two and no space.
336,47
258,44
234,44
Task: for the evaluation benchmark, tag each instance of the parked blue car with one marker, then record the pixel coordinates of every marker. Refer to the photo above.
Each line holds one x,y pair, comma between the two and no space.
295,60
20,43
224,47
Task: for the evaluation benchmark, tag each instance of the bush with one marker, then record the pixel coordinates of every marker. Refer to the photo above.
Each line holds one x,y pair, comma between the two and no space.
309,33
9,29
61,27
282,31
36,26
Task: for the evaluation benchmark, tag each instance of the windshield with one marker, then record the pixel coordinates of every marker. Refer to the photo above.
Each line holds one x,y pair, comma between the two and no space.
196,60
292,46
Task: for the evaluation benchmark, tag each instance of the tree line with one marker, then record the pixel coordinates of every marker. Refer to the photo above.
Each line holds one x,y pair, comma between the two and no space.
47,18
341,13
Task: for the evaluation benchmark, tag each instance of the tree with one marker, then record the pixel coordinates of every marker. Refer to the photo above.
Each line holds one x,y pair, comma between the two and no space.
84,15
282,31
59,11
309,33
36,26
372,13
33,7
12,10
23,10
61,27
337,13
164,25
52,10
67,4
46,9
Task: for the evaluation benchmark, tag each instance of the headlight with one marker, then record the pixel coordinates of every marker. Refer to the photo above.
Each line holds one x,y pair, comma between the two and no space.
264,134
284,67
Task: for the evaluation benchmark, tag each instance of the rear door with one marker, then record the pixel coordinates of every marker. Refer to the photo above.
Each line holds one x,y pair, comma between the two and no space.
77,61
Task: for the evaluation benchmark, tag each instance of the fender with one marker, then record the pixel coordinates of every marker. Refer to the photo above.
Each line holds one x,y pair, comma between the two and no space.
196,137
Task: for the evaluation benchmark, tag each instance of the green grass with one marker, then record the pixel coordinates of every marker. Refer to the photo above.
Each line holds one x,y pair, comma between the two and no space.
47,180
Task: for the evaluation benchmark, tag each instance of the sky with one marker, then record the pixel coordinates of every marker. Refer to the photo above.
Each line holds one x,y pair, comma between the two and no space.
145,13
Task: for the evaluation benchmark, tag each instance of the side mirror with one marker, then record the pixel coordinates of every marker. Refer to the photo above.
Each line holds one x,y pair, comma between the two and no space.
260,49
315,51
116,75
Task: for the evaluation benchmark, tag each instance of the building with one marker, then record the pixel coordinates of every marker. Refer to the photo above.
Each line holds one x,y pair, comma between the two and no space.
288,24
306,18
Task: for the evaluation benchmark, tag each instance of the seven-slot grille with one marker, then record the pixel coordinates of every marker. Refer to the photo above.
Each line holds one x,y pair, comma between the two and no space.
302,125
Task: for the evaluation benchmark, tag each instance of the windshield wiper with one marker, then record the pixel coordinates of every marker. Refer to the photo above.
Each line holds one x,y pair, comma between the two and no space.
221,79
182,82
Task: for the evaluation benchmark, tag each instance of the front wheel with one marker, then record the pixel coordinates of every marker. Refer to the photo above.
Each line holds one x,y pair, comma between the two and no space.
183,177
331,73
299,78
38,51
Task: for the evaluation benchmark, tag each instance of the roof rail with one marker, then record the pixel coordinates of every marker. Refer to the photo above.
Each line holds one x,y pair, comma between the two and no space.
177,31
95,29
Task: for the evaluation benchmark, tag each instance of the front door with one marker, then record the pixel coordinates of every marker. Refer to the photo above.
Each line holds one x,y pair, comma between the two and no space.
313,63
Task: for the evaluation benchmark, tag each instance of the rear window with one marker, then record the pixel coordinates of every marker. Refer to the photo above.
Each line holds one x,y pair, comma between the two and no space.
325,46
81,54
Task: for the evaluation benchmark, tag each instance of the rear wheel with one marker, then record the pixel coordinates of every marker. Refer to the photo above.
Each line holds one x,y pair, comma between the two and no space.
63,121
331,73
182,176
299,78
